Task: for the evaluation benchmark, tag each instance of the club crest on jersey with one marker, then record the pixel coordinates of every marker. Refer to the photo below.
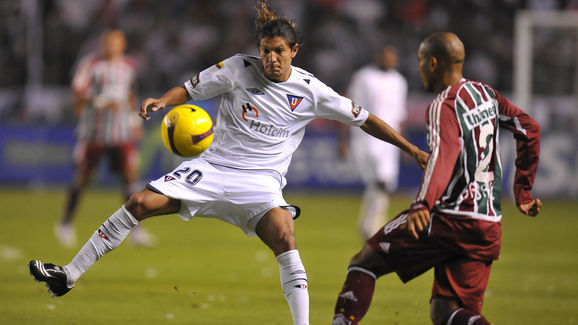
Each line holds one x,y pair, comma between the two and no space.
219,65
248,109
169,178
355,109
195,81
294,101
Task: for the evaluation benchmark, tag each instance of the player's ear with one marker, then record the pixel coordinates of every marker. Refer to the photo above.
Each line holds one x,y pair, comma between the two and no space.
294,50
433,63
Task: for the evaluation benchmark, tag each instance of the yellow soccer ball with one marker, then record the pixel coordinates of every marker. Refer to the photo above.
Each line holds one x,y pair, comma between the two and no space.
187,130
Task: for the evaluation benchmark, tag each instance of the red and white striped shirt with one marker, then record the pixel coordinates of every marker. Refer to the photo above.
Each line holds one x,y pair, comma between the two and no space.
464,173
103,82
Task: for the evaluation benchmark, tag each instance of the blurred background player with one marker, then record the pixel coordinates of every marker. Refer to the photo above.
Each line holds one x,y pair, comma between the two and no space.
382,90
454,224
104,88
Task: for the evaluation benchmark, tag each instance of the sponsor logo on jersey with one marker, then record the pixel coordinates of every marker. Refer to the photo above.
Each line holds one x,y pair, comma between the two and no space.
294,101
269,129
249,110
195,81
219,65
480,114
169,178
255,91
355,109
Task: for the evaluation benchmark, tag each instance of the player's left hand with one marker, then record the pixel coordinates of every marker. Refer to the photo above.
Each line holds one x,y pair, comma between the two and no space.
417,221
532,208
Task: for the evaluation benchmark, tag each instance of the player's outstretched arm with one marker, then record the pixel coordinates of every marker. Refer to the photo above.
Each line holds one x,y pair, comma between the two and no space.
175,96
378,128
532,208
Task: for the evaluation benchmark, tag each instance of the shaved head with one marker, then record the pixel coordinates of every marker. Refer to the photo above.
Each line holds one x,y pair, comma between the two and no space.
442,57
446,47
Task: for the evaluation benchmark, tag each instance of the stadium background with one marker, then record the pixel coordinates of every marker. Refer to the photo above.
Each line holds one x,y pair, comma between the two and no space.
44,39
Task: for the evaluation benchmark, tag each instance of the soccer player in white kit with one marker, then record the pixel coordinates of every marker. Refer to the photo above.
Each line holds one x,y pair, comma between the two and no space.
266,104
381,90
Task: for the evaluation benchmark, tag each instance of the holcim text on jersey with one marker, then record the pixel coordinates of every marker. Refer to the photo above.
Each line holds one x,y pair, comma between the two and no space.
269,129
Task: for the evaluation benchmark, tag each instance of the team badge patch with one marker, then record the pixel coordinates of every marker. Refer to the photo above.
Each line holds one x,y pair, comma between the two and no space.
169,178
294,101
355,109
219,65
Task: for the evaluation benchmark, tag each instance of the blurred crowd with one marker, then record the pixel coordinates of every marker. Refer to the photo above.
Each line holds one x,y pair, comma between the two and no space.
170,40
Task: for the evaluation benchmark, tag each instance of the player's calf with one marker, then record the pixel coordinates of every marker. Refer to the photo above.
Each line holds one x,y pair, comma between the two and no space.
294,284
355,296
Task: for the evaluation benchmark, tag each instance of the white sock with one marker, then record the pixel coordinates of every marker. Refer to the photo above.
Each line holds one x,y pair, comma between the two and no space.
106,238
373,211
294,284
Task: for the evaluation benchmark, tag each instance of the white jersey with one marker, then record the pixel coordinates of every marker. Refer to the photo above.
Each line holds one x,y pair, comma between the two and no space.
382,93
260,122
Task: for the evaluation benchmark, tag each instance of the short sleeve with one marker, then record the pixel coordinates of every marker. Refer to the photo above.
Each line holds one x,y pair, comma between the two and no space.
331,105
213,81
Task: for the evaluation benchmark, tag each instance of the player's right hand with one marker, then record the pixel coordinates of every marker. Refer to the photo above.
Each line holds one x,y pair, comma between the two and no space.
421,157
417,221
532,208
152,105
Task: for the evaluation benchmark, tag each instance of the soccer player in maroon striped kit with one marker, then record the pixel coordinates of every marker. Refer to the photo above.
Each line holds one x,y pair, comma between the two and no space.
454,224
104,87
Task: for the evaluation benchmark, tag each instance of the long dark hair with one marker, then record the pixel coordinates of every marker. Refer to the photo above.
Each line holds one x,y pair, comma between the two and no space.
270,25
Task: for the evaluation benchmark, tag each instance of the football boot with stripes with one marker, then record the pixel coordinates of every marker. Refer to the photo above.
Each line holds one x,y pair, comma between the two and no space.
53,275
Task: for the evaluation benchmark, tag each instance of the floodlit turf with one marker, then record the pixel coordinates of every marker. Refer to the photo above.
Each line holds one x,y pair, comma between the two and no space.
207,272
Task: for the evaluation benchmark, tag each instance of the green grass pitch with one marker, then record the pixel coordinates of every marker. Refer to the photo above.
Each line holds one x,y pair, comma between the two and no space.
207,272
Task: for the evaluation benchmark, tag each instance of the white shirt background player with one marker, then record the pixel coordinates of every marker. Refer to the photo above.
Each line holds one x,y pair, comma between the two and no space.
381,90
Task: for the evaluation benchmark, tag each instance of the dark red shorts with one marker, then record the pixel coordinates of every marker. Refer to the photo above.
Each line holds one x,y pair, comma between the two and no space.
122,157
456,276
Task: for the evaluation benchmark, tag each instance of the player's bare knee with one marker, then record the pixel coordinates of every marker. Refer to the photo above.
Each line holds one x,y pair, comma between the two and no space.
369,260
285,241
136,205
364,257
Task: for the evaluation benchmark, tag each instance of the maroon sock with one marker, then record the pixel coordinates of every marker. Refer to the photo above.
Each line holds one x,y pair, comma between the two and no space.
355,297
463,316
71,203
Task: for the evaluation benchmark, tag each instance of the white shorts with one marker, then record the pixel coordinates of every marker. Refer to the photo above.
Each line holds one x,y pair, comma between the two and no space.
237,196
376,161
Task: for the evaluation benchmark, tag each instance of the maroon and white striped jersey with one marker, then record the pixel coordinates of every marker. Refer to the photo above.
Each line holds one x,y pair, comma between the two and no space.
104,82
464,174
